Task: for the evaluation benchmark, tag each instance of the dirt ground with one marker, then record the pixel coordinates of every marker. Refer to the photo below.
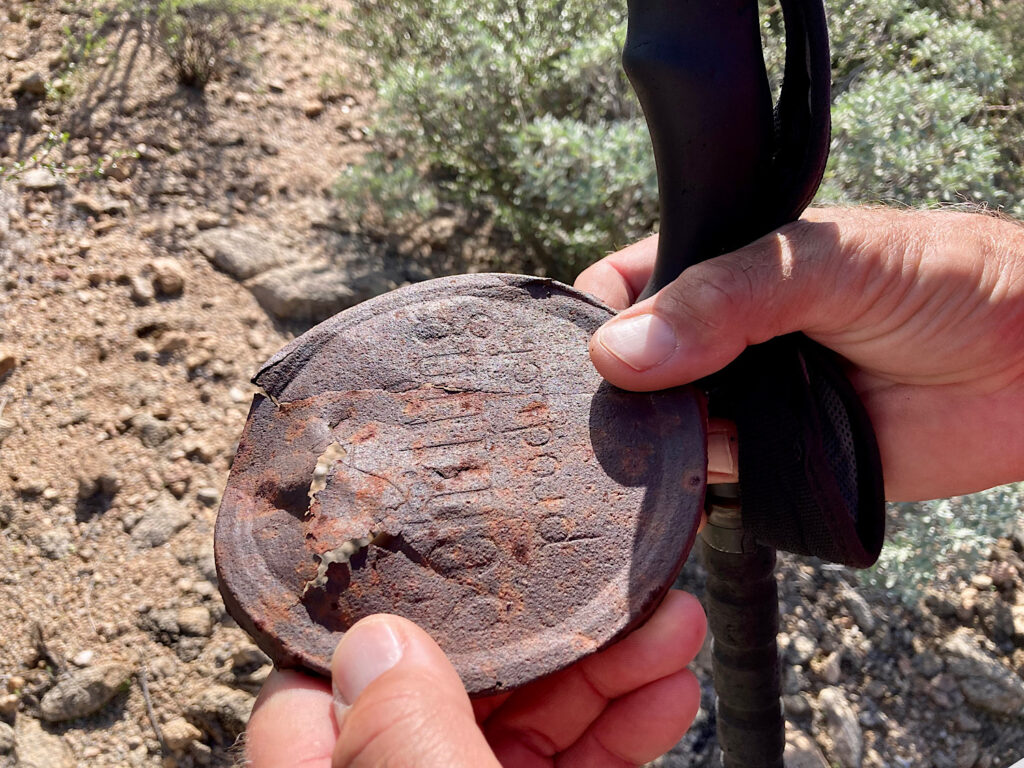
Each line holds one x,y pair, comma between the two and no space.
125,357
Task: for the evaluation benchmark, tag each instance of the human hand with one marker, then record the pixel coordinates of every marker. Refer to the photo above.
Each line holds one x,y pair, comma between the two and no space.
927,308
406,707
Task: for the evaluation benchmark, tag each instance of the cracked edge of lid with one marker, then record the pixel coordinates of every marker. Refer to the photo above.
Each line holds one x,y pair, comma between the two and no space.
277,372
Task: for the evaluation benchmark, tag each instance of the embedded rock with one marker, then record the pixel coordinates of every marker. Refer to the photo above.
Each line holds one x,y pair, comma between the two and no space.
842,727
164,518
40,180
984,682
314,292
179,734
83,691
242,253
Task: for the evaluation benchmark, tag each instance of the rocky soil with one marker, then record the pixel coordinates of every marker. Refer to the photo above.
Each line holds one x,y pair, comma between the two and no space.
150,260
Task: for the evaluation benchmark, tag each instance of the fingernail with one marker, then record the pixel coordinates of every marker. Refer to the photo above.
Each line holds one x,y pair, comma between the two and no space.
365,653
641,341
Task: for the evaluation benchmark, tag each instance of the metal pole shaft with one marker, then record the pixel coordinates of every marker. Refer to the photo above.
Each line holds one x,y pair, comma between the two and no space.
743,616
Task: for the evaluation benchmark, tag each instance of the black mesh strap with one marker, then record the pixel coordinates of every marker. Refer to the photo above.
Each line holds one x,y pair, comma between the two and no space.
809,466
811,476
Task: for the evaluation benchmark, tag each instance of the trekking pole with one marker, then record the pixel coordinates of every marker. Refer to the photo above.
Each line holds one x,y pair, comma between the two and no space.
732,166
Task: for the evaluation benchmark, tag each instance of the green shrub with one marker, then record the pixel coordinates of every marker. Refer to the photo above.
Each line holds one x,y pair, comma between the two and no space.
1004,19
902,137
520,111
517,109
940,542
911,122
580,189
197,34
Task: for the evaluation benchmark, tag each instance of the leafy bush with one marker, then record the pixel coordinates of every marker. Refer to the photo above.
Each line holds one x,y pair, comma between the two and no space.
906,138
1004,19
938,542
521,111
910,120
517,109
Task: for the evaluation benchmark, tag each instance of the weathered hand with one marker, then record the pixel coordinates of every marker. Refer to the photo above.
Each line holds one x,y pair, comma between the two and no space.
406,706
928,308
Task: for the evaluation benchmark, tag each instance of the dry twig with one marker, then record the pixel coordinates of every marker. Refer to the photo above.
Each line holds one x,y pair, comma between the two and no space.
144,685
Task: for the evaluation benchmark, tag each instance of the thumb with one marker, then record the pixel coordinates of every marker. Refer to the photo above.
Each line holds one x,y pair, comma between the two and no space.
706,317
399,701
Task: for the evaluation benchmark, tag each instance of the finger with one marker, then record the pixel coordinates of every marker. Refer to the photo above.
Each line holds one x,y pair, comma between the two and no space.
638,727
482,708
723,452
291,723
700,322
619,278
399,701
669,641
723,457
546,717
543,718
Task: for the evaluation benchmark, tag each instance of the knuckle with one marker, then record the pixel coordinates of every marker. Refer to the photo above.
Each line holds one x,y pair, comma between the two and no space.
709,293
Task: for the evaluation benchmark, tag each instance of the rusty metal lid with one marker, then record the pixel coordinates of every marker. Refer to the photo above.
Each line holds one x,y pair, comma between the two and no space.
447,452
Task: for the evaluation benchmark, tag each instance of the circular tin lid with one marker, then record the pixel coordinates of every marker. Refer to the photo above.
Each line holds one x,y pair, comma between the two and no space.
448,453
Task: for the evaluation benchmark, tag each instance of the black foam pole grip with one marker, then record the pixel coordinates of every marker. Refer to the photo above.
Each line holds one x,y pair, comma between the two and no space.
698,70
743,616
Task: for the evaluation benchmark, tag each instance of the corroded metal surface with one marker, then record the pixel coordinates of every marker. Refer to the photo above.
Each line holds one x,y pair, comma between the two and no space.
448,453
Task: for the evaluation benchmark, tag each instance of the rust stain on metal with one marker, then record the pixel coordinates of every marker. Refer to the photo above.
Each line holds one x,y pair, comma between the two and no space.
448,453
